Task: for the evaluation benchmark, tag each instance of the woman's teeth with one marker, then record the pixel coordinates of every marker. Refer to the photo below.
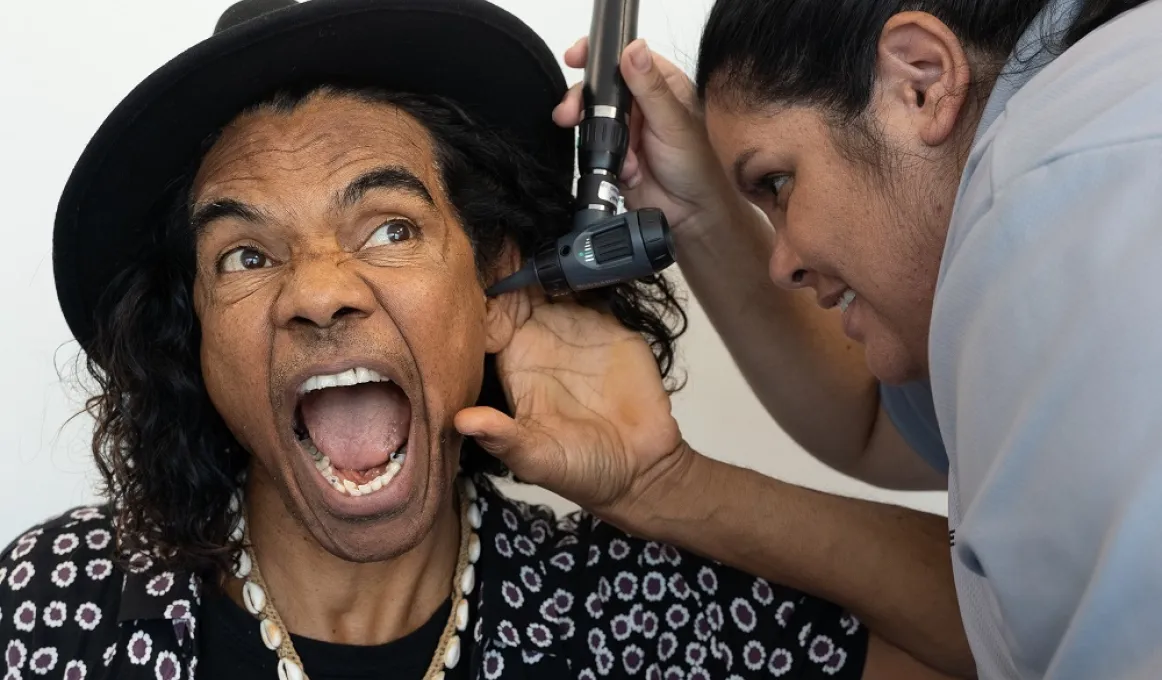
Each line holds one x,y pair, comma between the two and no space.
346,486
846,299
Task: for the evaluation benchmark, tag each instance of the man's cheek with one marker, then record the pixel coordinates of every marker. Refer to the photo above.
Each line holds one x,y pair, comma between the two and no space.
235,381
451,354
470,352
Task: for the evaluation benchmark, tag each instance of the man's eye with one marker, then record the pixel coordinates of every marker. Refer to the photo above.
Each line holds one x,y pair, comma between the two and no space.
392,231
241,259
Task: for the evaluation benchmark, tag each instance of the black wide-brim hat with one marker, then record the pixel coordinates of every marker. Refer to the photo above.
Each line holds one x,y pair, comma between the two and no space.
492,64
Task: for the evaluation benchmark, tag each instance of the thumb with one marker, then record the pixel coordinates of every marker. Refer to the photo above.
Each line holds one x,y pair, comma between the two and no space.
524,452
663,111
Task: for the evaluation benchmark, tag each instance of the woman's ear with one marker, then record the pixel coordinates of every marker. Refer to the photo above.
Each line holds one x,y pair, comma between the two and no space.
925,75
504,313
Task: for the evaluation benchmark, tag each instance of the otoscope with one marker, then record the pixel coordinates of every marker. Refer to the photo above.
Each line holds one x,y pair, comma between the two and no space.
605,247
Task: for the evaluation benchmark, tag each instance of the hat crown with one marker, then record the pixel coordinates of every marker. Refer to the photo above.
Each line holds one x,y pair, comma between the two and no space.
123,187
241,12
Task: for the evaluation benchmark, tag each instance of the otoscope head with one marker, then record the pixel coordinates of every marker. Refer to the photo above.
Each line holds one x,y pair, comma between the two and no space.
657,239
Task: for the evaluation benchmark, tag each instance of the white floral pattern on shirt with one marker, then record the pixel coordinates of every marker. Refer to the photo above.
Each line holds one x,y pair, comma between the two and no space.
569,597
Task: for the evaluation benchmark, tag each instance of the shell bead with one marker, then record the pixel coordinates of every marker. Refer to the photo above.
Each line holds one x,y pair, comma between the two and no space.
271,635
254,597
289,670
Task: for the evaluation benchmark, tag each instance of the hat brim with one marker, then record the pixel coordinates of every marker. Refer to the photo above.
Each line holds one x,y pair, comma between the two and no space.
488,61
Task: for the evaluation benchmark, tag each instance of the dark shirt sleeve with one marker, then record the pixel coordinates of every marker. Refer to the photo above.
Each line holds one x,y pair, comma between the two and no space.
674,614
58,597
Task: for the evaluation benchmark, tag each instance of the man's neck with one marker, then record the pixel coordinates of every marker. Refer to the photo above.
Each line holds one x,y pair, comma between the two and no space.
323,597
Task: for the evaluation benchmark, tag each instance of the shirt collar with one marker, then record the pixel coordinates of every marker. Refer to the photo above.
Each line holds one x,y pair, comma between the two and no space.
537,549
524,544
1028,58
150,592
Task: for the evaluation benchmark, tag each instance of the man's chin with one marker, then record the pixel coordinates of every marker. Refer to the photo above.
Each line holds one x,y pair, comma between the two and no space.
376,542
369,539
371,527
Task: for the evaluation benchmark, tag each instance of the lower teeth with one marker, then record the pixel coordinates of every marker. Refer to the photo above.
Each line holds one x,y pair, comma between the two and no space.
348,487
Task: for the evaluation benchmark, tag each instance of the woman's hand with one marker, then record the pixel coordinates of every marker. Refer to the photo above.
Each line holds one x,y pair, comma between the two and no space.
592,420
670,165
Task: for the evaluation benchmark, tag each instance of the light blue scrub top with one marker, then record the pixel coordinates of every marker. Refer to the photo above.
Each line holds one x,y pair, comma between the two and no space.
1046,362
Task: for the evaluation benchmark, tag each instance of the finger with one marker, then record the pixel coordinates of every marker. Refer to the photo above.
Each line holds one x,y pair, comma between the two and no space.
494,431
515,446
631,169
631,174
568,112
652,94
630,194
577,53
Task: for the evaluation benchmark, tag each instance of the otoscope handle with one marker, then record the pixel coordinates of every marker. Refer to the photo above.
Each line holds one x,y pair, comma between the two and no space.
613,27
606,101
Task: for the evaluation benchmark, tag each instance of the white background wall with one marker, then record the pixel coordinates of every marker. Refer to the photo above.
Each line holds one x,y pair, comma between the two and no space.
65,64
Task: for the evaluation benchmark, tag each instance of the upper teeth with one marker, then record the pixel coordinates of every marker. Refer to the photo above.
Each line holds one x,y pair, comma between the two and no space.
352,376
846,299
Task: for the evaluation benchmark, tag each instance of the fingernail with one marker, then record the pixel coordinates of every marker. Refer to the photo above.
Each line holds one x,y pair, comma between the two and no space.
639,57
632,182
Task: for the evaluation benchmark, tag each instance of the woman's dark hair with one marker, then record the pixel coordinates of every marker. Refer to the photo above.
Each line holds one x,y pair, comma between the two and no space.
168,462
823,52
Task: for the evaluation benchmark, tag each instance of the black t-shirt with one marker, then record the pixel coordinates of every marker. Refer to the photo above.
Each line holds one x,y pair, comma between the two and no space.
231,648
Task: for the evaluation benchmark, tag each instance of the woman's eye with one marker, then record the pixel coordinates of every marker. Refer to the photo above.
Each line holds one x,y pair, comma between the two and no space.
241,259
393,231
773,184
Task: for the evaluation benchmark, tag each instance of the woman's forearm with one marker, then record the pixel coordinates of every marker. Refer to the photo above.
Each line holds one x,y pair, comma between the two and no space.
889,566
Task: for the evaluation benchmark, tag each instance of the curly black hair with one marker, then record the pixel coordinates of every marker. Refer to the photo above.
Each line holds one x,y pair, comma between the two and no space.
169,464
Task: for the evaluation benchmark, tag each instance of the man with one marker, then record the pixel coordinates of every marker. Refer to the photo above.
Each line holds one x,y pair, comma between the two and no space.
274,253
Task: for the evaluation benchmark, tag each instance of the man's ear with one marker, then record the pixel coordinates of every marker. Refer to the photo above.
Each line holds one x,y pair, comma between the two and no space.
923,72
503,314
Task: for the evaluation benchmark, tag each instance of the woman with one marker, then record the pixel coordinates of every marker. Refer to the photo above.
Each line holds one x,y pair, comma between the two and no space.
974,187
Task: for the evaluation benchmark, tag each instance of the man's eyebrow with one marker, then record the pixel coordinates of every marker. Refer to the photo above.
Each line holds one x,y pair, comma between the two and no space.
391,177
206,213
740,166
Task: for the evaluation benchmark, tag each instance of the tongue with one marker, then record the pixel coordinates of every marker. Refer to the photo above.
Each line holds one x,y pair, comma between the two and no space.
357,427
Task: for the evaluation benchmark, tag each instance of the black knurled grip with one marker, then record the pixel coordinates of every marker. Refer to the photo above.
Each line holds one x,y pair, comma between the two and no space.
602,144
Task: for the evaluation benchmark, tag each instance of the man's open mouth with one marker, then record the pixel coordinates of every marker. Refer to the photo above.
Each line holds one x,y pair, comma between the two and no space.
355,425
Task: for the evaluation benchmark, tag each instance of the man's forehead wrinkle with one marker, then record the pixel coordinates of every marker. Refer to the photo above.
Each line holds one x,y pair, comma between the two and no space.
252,152
323,142
348,159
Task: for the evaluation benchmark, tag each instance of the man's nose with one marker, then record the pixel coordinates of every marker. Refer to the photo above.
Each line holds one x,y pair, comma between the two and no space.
322,291
786,268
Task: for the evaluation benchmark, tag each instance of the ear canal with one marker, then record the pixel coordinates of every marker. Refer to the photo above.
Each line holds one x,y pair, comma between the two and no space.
919,99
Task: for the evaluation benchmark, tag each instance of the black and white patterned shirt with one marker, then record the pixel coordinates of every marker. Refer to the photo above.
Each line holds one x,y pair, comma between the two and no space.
569,597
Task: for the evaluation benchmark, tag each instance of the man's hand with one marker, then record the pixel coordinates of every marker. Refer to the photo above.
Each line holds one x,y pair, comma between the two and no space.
592,418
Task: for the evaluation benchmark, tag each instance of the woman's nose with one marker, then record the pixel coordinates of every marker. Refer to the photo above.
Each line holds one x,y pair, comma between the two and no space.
786,268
